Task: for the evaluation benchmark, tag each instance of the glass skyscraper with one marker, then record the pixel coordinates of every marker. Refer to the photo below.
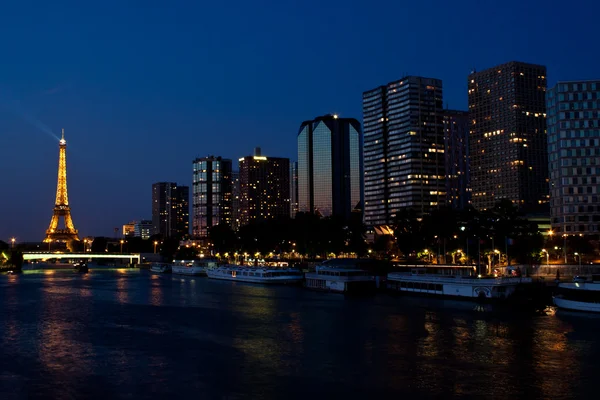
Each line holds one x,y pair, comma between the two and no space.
508,151
329,166
403,148
574,156
212,194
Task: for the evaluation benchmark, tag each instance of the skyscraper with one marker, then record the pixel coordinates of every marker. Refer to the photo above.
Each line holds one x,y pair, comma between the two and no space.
170,209
264,188
211,194
329,166
574,156
456,152
293,188
508,151
403,148
235,200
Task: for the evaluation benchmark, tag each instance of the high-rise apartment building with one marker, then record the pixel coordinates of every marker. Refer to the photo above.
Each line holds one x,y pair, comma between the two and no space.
211,194
574,156
264,188
456,153
293,189
235,200
508,150
170,209
403,148
329,166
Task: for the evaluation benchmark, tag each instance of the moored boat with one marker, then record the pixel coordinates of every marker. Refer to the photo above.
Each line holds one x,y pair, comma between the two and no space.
342,279
579,296
419,281
161,268
193,267
256,275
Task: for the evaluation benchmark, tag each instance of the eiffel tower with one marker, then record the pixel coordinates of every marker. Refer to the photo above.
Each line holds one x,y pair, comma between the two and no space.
61,208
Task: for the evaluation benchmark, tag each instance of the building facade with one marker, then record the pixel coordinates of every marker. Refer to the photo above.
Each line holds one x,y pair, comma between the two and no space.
456,153
129,229
574,157
403,149
143,229
170,209
235,212
264,188
329,166
507,144
293,189
211,194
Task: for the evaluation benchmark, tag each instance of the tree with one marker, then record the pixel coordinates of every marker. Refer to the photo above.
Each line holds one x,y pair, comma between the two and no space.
169,247
408,230
16,259
99,244
223,238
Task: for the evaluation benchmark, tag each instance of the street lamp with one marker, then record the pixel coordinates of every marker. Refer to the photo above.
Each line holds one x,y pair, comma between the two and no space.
155,243
12,243
578,256
122,241
547,256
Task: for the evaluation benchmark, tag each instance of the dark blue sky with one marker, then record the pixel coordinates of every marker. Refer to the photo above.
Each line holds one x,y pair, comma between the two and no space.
143,87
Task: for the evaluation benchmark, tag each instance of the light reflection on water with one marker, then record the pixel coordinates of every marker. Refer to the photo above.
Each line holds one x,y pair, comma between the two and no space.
131,334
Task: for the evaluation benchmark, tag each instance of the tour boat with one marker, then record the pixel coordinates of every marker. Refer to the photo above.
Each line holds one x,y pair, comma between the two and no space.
161,268
419,281
579,296
328,277
255,275
193,267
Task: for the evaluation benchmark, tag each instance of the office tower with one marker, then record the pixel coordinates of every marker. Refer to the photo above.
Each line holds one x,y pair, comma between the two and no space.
508,151
403,149
143,229
329,166
212,194
574,156
235,212
456,153
129,229
293,188
170,209
264,188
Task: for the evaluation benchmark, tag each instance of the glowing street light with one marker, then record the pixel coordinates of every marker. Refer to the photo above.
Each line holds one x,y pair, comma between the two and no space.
578,256
122,241
155,243
12,242
547,256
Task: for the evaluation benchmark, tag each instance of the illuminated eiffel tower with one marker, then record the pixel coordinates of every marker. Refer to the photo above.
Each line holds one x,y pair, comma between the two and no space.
61,208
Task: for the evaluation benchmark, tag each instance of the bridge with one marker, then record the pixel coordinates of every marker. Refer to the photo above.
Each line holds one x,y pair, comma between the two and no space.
43,256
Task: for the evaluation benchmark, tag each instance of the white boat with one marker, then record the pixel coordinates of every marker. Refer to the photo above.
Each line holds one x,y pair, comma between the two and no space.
161,268
339,279
193,267
256,275
418,281
579,296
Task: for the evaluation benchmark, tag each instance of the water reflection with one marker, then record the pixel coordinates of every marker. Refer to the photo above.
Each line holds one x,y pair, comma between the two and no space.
144,336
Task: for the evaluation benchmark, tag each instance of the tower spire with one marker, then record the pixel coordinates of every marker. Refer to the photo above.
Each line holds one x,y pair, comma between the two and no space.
61,206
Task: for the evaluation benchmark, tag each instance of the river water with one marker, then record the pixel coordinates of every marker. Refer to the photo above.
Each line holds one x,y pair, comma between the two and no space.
130,334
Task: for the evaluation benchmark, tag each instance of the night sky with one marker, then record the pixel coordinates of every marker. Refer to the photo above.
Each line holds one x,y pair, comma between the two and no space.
143,87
